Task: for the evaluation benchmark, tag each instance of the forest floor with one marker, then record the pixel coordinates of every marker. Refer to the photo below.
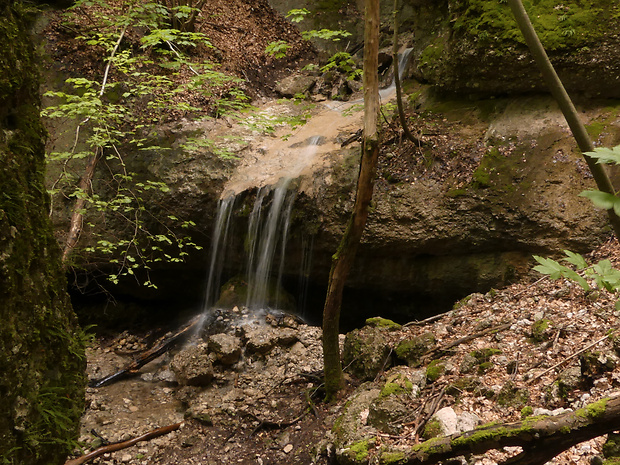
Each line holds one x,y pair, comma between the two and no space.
266,408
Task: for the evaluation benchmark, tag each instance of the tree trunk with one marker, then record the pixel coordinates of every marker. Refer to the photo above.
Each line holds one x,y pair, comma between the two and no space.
399,97
566,105
540,437
343,258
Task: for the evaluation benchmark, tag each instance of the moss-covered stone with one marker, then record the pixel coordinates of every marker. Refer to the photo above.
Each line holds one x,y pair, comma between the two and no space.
434,370
41,347
510,395
366,352
611,448
540,330
476,46
411,350
432,429
391,457
385,323
527,411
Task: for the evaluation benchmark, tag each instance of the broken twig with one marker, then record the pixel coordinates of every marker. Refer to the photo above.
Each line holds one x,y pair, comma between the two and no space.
124,444
147,356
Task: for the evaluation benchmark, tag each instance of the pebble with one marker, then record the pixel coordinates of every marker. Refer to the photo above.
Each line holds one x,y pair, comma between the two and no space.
288,448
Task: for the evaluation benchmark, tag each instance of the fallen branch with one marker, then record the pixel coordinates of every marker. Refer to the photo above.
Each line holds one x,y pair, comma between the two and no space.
589,346
540,437
463,340
123,445
147,356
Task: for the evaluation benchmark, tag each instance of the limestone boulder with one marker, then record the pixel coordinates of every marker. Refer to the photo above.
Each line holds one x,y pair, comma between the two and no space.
192,365
226,348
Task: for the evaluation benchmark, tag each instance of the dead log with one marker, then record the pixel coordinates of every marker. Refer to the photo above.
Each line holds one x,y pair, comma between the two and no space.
123,445
149,355
541,437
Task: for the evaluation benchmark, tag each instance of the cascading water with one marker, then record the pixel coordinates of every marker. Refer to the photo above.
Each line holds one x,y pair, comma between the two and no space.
267,232
263,240
218,250
403,59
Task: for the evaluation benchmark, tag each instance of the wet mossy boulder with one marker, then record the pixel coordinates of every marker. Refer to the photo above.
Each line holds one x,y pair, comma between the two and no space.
42,358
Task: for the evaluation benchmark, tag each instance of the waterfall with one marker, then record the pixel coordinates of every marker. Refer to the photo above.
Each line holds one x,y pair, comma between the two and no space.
266,239
218,249
262,242
403,59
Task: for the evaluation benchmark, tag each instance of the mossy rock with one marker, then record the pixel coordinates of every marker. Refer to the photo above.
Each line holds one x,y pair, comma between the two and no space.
541,330
595,364
356,453
465,383
366,352
379,322
512,396
411,350
479,48
391,457
434,370
432,429
611,448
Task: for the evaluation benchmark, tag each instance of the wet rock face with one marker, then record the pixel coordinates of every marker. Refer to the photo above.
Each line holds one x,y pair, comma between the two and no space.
241,338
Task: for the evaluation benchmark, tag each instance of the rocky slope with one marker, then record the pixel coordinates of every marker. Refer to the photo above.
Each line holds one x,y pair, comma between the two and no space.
247,391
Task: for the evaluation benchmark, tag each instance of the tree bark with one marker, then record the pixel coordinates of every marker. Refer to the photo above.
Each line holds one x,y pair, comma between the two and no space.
399,97
541,437
343,258
566,105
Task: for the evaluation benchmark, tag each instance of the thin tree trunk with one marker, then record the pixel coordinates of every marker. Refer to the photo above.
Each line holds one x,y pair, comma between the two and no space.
77,216
343,258
566,105
399,97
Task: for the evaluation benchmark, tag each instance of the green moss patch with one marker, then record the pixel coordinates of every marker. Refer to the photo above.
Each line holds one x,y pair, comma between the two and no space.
379,322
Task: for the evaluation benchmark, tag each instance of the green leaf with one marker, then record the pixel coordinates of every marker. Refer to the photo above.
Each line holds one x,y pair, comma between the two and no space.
606,155
603,200
549,267
576,259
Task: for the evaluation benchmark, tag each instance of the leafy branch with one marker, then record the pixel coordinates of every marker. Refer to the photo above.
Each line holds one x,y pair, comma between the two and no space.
604,275
111,115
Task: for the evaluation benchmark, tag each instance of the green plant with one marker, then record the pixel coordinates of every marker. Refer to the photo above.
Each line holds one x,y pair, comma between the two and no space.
343,62
277,49
604,275
148,77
